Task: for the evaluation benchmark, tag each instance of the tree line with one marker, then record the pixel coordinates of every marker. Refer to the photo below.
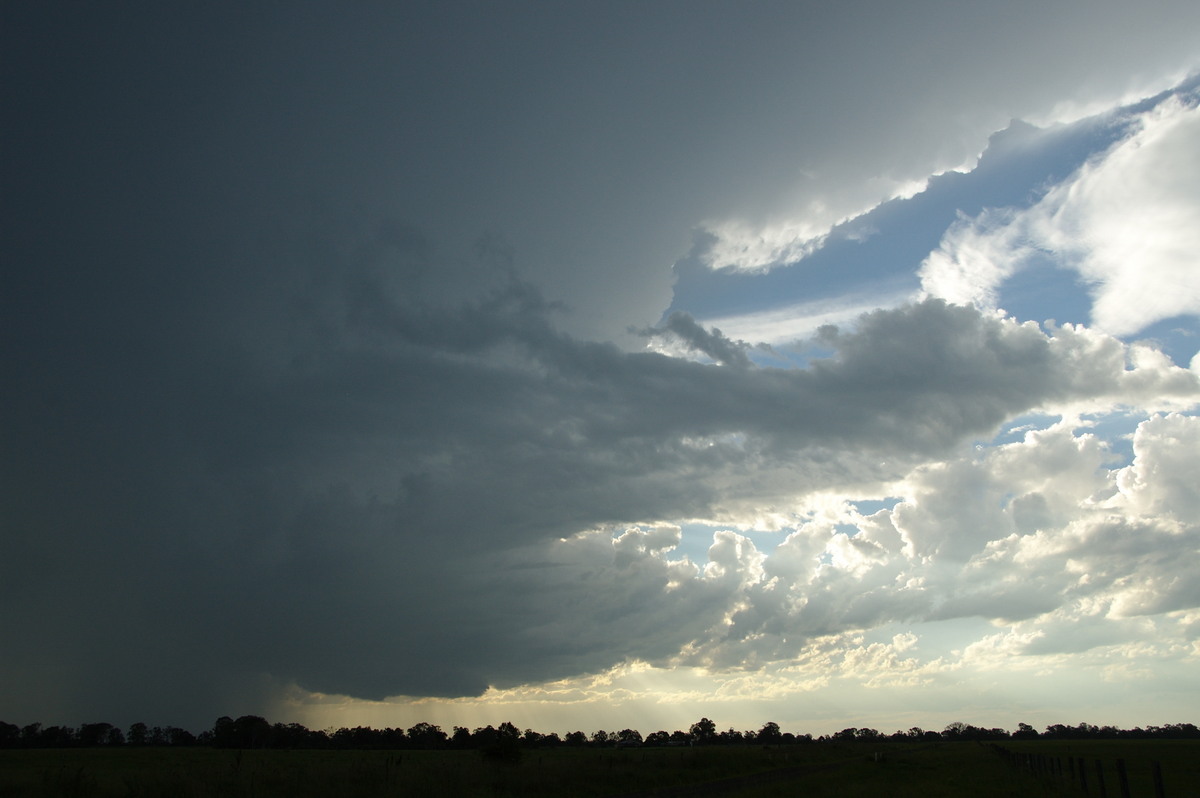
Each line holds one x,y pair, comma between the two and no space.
253,731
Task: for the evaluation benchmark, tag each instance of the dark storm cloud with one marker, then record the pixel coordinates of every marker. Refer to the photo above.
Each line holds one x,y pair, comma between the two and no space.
255,428
695,338
342,483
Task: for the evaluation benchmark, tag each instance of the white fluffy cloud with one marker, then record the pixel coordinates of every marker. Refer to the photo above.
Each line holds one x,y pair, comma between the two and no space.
1126,222
1045,537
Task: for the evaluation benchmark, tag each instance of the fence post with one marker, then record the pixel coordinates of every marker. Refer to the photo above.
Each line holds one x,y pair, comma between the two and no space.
1083,776
1100,779
1159,792
1123,778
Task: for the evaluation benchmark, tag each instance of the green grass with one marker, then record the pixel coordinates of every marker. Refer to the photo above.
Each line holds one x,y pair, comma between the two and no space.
925,770
200,773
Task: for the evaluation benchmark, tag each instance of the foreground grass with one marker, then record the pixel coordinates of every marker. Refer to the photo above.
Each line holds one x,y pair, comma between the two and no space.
847,770
205,773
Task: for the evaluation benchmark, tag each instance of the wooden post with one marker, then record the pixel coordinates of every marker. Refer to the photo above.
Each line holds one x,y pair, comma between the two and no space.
1100,779
1123,778
1159,792
1083,777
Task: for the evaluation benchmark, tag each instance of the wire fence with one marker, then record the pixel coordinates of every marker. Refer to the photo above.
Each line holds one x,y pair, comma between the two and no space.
1090,777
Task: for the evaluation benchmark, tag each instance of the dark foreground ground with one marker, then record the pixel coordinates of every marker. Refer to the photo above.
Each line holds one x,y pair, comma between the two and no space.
890,769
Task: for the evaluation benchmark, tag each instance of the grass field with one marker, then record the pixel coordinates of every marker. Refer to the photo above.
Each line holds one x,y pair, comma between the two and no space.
900,770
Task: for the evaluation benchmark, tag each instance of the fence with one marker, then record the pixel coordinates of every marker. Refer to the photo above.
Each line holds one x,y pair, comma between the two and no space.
1095,779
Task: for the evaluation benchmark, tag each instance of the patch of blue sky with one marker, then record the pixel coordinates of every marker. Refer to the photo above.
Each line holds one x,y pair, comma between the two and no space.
1178,338
934,638
800,355
1044,291
1015,430
696,538
1188,92
869,507
1116,430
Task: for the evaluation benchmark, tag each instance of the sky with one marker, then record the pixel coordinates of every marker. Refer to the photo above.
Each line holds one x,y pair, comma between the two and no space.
600,365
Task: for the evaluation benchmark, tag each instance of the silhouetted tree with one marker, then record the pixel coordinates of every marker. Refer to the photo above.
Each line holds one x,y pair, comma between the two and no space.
954,731
31,734
426,735
484,736
252,731
137,734
703,731
56,737
178,736
500,744
92,734
730,736
629,737
248,731
222,734
10,735
769,734
1024,732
